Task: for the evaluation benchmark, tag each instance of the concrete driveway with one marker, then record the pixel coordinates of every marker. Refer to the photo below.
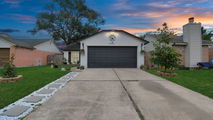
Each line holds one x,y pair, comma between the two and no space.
124,94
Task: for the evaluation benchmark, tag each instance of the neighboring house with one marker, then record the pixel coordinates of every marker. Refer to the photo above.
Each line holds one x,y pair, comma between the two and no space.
28,52
109,49
72,53
191,46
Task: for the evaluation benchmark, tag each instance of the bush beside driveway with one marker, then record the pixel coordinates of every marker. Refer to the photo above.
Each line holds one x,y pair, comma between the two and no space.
34,78
197,80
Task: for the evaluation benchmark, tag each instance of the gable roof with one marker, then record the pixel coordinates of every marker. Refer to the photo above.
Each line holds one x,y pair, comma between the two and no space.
26,43
116,31
30,43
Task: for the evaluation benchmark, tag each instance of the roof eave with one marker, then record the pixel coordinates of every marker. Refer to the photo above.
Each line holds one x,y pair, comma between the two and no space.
24,47
146,42
206,44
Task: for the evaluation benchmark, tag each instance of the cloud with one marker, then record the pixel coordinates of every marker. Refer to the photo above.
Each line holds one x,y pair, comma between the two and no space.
149,14
13,3
143,16
9,30
137,30
23,18
167,4
147,24
122,5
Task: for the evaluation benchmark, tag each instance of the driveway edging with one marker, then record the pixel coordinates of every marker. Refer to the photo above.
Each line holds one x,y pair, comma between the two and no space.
45,93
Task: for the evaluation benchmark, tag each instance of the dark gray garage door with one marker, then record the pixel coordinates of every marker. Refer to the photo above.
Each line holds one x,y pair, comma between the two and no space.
112,57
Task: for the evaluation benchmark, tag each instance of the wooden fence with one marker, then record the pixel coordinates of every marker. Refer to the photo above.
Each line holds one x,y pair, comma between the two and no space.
57,59
210,54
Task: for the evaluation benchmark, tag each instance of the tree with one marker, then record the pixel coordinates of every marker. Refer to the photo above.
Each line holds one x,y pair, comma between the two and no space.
68,20
164,54
206,35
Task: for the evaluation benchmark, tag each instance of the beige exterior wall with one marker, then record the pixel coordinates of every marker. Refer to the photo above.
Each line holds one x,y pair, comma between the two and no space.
181,50
205,54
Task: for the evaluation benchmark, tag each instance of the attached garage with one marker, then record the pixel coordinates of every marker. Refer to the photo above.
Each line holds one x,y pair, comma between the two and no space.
112,57
112,49
4,56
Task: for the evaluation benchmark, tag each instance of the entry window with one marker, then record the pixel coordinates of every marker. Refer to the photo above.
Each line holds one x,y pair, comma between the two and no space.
74,57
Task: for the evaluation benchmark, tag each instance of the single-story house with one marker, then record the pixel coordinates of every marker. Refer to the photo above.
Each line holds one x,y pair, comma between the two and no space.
191,46
28,52
72,53
120,49
108,49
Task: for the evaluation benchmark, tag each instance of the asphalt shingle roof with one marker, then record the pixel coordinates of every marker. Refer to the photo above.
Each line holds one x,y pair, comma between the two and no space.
179,39
72,47
27,43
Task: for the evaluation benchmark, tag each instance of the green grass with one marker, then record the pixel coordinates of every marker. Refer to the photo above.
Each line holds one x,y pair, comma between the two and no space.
197,80
34,78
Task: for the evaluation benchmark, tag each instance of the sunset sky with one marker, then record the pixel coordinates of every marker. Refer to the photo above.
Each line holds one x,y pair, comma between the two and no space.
134,16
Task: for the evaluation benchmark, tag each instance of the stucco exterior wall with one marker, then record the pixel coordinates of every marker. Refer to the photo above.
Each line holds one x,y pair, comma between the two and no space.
205,54
29,57
102,39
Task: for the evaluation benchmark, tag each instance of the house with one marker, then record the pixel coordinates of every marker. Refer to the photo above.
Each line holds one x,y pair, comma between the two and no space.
108,49
72,53
28,52
191,46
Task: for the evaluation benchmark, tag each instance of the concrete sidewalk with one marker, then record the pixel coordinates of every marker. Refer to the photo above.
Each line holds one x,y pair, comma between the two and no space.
124,94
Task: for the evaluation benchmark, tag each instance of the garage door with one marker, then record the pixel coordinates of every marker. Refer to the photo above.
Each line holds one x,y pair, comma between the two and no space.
4,56
112,57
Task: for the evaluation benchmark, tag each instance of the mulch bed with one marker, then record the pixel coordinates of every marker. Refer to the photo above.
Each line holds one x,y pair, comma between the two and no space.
14,79
166,73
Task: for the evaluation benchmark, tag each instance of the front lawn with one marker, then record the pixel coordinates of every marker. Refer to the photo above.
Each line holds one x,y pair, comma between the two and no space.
34,78
197,80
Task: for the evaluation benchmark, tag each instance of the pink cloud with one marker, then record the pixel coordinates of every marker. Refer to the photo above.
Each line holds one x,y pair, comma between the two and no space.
163,4
136,30
23,18
122,5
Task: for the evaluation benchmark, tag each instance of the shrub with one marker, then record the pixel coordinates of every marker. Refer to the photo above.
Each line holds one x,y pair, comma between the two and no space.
9,68
142,67
81,67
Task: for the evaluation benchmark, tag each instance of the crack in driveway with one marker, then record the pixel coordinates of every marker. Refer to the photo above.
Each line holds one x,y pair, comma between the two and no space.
140,115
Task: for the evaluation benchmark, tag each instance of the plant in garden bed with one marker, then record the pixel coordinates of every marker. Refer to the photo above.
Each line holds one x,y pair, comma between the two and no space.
9,68
164,54
142,67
